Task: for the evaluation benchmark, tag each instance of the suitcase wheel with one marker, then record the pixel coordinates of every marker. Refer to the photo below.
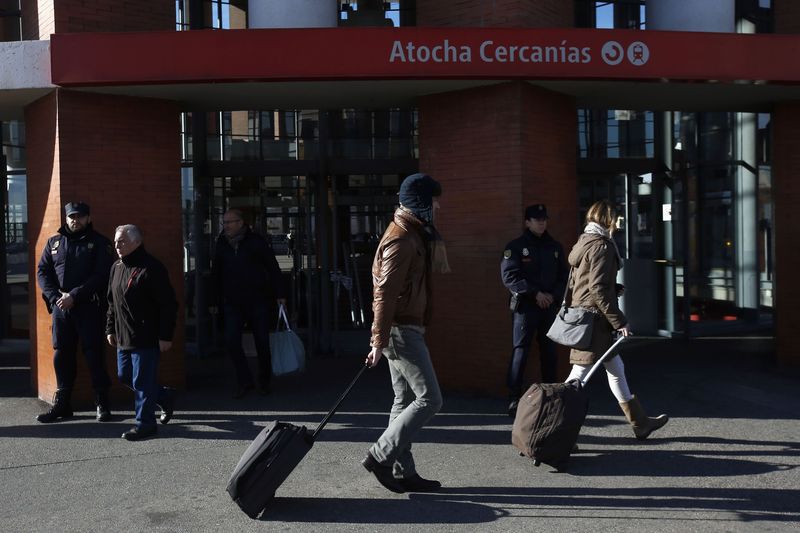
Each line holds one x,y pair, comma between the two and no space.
536,462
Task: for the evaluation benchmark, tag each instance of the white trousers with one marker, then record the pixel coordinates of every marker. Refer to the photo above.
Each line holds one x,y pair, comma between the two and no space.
615,369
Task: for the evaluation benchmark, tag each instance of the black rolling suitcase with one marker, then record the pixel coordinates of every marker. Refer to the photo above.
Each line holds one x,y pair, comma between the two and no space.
550,416
271,457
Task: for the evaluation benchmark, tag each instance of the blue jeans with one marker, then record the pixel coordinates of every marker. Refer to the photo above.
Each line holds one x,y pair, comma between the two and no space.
138,370
534,321
416,398
257,315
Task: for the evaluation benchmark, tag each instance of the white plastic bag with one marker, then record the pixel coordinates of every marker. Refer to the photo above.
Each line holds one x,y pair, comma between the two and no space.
288,352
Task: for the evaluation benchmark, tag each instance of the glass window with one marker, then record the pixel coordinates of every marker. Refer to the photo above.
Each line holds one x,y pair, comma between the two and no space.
758,16
218,14
377,13
294,134
383,134
615,133
619,14
10,21
16,227
766,213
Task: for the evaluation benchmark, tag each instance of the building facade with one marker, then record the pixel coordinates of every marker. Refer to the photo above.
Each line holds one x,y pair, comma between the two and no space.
307,115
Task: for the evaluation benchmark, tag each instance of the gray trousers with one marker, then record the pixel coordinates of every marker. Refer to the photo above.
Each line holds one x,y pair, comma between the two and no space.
416,398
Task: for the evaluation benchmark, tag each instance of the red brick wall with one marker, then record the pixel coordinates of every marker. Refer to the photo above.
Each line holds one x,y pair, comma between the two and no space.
43,176
44,17
503,13
786,197
121,155
787,16
495,150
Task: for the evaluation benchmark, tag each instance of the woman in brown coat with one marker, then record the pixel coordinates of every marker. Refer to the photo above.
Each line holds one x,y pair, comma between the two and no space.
595,261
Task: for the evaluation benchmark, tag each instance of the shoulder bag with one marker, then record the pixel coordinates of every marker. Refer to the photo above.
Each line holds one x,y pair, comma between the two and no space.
288,353
572,326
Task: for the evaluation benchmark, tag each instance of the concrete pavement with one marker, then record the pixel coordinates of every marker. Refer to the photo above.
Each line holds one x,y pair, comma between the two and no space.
727,461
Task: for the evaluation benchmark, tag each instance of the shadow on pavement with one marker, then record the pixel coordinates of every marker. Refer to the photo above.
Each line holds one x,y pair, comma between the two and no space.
373,511
474,505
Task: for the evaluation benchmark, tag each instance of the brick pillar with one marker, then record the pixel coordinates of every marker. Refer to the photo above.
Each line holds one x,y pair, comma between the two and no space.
495,150
786,14
786,198
498,13
121,155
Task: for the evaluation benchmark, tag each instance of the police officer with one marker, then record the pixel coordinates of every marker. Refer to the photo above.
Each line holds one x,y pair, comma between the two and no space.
535,270
73,275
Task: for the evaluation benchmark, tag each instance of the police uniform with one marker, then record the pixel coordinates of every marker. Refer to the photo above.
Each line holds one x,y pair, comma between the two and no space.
533,264
78,264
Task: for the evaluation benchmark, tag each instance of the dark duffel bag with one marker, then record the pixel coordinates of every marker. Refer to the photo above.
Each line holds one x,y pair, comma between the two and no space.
550,416
271,457
266,463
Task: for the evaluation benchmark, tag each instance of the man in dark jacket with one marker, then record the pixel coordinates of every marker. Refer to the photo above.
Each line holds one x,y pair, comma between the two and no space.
73,276
247,281
142,311
401,279
534,269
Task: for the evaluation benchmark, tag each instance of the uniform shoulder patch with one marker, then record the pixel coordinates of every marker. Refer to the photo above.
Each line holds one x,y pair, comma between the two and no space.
507,253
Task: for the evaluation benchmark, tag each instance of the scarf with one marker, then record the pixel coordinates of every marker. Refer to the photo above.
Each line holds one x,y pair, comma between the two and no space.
437,251
596,229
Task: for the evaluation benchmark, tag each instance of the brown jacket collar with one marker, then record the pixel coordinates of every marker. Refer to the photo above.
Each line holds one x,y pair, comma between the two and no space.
408,221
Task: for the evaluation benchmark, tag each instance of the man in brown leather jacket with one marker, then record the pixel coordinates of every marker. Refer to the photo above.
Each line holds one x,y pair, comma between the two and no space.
401,277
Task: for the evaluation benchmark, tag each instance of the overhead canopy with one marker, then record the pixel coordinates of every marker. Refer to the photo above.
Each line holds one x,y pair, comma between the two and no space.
378,67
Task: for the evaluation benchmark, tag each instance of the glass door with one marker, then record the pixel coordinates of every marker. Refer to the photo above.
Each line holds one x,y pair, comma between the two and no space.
638,238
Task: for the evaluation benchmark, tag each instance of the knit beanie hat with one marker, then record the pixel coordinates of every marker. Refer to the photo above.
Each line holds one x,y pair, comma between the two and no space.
417,193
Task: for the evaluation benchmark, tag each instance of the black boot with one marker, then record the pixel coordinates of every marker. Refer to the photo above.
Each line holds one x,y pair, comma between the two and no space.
103,411
61,407
383,473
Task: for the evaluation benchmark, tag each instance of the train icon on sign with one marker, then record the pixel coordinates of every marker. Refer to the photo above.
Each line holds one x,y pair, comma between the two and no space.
637,53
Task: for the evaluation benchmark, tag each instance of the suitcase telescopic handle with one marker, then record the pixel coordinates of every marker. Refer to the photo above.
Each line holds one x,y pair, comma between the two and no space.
338,403
606,355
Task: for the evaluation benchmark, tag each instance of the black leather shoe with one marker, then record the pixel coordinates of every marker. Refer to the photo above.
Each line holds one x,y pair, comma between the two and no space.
140,432
102,403
383,474
54,414
167,408
103,414
416,483
242,390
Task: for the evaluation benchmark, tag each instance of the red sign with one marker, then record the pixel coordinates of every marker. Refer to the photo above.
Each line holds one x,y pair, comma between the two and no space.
95,59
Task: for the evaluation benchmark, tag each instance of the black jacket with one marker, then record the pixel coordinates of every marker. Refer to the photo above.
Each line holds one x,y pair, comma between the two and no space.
77,263
247,273
532,264
141,302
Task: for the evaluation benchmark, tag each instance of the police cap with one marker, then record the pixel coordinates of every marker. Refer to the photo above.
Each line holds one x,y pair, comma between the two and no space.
538,211
80,208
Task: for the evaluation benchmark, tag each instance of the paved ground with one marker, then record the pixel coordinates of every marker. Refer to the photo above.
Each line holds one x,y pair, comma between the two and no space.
727,461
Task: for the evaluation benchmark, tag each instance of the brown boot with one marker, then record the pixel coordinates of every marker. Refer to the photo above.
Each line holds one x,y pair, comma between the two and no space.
642,424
